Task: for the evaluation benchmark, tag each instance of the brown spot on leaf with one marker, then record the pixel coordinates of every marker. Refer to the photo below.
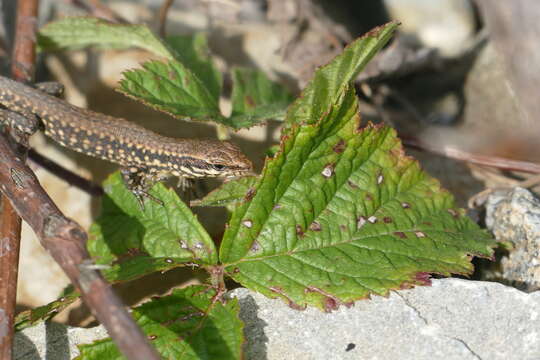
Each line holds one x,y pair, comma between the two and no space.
249,101
387,220
299,230
369,197
315,226
292,304
424,278
454,213
250,194
351,184
331,302
400,234
339,147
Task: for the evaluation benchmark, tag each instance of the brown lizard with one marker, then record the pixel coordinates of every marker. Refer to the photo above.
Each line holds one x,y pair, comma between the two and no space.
144,156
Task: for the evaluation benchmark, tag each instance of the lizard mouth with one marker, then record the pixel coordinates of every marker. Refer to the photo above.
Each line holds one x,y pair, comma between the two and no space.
240,173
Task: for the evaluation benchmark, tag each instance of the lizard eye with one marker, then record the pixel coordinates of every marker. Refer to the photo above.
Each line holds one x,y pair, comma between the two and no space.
218,167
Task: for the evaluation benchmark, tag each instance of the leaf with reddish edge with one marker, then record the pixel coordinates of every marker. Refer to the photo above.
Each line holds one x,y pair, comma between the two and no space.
330,80
341,213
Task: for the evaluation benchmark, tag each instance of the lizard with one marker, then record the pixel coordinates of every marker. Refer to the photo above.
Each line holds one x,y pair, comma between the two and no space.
143,155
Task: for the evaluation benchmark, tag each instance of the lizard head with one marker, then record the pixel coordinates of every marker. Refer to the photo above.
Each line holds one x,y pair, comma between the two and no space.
209,158
226,160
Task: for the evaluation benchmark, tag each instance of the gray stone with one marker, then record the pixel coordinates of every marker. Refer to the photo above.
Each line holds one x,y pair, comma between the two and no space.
452,319
514,216
53,341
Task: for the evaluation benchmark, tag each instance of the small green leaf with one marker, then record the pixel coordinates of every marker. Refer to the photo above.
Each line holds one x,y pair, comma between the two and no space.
330,80
193,52
230,192
341,213
81,32
174,89
255,98
34,316
139,242
184,325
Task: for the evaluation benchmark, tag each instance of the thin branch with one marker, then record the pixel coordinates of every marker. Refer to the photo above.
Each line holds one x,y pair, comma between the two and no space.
478,159
23,61
68,176
163,11
65,240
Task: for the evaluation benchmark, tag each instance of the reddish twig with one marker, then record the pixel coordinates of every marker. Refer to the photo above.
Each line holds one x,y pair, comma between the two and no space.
10,224
478,159
64,239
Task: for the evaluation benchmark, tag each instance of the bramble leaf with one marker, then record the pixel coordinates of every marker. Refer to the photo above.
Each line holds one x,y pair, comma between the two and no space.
139,242
330,80
340,213
193,52
80,32
255,98
32,317
174,89
184,325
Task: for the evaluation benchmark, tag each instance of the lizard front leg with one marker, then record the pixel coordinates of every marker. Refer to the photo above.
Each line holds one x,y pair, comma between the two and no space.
24,122
139,181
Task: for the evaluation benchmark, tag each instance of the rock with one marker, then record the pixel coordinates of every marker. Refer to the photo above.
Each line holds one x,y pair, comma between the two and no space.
514,216
452,319
53,341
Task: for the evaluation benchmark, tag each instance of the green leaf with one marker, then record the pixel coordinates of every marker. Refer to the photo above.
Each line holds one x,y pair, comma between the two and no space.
330,80
255,98
174,89
46,312
341,213
81,32
183,325
193,52
230,192
140,242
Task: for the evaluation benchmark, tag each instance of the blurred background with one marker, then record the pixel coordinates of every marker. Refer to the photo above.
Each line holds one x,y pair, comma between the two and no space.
460,80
